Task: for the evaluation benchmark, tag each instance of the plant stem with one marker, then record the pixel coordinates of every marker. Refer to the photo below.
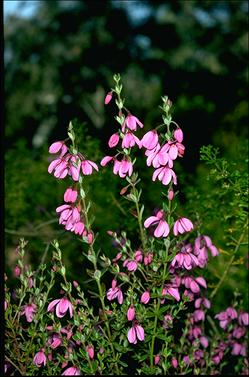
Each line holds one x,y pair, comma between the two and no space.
229,263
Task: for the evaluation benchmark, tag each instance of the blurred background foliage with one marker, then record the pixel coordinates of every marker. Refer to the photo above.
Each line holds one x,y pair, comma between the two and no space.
59,62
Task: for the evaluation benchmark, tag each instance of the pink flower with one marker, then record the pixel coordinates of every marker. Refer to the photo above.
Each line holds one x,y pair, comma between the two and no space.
108,98
122,168
178,135
29,310
145,298
174,363
238,332
131,313
162,229
200,249
148,258
150,140
138,256
135,332
70,195
105,160
69,216
204,341
57,146
113,141
238,349
182,225
170,194
202,301
115,292
54,341
185,258
17,271
130,140
165,175
243,319
87,167
199,315
157,359
90,351
193,283
62,305
131,122
172,291
39,359
72,371
130,264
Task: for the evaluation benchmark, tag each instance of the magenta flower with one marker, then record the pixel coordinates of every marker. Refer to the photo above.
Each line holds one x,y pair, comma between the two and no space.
90,351
202,243
131,313
131,122
122,168
70,195
204,341
182,225
148,258
150,140
108,98
115,292
202,301
135,332
58,146
238,349
113,141
145,298
87,167
54,341
199,315
174,363
72,371
162,229
130,140
130,264
171,290
238,332
156,359
138,256
170,194
185,258
62,305
194,283
39,359
243,319
165,175
69,216
29,310
178,135
105,160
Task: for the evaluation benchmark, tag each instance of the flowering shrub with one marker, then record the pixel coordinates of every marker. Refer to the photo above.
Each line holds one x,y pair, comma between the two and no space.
147,311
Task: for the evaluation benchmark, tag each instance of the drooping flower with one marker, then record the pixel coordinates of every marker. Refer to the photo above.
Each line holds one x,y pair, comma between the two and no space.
54,341
171,290
178,135
62,306
135,332
182,225
29,310
156,359
131,122
162,228
58,146
138,255
150,140
115,292
202,243
185,258
70,195
243,319
130,264
87,167
174,363
194,283
72,371
40,359
165,175
148,258
123,168
130,140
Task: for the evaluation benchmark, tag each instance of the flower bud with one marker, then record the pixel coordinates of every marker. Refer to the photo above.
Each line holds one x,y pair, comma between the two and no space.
174,363
108,98
131,313
145,298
